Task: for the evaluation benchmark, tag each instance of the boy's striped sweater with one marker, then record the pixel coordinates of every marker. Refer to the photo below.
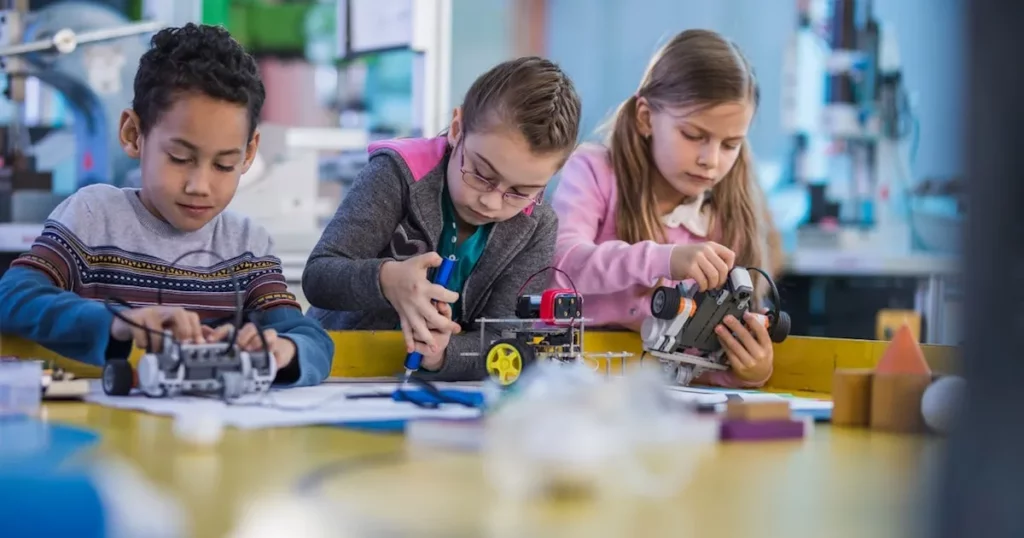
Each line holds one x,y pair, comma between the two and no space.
102,243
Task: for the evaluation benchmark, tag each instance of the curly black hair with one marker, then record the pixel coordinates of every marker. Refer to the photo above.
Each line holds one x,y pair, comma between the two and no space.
196,58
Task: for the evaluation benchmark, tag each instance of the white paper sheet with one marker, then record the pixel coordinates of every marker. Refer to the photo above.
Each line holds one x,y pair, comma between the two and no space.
713,396
323,404
328,404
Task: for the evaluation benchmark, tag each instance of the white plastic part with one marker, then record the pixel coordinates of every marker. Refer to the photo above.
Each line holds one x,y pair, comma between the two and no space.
651,331
568,429
200,427
148,371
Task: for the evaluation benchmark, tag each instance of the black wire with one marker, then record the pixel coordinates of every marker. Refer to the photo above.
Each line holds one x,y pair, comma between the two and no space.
239,297
776,300
572,285
238,315
315,478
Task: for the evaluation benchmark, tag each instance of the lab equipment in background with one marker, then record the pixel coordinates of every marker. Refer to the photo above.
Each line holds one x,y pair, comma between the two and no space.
854,129
25,191
281,188
422,26
89,53
871,241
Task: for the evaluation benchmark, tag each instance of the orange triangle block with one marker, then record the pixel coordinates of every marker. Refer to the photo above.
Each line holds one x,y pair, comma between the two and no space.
903,355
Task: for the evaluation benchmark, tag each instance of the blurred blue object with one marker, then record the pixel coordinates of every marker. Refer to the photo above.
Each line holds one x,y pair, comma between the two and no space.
790,207
33,488
58,505
47,490
936,224
29,445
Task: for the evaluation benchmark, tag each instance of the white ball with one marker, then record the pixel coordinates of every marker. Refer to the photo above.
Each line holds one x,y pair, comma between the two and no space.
200,429
942,401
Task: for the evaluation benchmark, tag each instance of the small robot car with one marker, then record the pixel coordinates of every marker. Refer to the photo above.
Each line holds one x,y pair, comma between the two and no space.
547,326
216,368
681,330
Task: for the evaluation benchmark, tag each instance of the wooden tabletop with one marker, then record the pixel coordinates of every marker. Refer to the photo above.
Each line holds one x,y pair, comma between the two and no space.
836,483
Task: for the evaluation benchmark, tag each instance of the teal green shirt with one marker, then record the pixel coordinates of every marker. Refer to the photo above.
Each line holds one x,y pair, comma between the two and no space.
468,253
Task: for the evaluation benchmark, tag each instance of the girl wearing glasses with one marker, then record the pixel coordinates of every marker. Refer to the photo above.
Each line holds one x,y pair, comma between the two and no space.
672,197
472,194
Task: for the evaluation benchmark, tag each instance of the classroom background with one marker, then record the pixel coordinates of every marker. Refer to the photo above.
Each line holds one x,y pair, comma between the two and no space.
862,162
860,148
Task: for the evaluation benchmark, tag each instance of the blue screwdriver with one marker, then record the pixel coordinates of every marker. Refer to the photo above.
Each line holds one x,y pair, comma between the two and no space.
441,277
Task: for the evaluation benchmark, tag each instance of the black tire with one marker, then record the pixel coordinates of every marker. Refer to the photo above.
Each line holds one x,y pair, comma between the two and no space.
780,329
118,377
665,302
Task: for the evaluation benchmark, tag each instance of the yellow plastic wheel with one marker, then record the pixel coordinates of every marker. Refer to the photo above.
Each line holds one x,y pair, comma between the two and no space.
506,359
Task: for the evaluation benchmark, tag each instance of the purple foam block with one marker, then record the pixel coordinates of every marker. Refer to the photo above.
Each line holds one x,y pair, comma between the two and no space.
744,430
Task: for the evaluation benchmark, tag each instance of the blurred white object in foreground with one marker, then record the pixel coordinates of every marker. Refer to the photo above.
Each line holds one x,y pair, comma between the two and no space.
567,430
293,515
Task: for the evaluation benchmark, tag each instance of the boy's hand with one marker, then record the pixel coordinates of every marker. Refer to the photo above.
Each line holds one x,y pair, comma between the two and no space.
249,339
432,360
406,287
750,351
148,324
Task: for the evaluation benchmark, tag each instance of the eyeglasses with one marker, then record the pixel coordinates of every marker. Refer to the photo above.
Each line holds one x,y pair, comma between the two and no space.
483,184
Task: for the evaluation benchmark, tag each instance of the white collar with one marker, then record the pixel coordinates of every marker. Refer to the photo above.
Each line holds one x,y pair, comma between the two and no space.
694,216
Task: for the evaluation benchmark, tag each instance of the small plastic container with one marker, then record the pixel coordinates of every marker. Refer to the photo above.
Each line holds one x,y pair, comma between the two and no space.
21,387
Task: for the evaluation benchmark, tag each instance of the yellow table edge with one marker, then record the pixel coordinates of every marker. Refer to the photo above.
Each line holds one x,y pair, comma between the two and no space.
801,363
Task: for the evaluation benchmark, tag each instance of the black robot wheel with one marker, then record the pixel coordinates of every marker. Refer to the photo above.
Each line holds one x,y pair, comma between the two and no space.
665,302
780,327
118,377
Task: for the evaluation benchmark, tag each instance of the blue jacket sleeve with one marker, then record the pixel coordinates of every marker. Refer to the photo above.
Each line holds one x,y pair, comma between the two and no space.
314,348
33,308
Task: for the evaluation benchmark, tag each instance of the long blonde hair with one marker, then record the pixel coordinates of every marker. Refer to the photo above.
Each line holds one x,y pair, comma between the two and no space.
696,68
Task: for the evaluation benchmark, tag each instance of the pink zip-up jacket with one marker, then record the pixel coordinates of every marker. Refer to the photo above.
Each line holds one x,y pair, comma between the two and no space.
617,278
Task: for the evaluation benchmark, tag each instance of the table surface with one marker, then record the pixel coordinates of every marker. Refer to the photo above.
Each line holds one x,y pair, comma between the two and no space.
836,483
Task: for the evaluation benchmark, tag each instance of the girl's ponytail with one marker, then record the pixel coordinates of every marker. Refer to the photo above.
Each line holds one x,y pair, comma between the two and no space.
630,156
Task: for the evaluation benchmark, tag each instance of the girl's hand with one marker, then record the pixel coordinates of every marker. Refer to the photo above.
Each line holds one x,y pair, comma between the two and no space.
749,350
432,360
706,263
406,287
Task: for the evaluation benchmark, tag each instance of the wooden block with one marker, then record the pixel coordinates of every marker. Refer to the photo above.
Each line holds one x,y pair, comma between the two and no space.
896,402
889,321
761,430
851,397
751,411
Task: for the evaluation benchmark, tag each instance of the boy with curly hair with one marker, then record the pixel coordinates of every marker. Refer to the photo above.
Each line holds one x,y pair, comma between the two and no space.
168,253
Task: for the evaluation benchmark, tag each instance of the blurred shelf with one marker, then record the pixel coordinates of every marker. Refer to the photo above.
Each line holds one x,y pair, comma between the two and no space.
829,262
17,237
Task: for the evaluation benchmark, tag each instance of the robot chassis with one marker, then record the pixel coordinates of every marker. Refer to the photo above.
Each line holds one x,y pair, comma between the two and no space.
549,326
681,331
216,368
